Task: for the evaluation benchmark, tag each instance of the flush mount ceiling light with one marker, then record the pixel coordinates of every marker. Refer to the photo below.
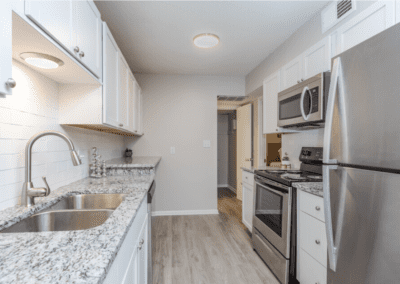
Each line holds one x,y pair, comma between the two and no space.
206,40
41,60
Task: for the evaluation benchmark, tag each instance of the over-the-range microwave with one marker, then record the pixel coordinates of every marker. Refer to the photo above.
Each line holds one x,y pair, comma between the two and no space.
304,105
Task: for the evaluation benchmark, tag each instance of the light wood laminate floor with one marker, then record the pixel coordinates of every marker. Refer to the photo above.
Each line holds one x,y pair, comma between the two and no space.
205,249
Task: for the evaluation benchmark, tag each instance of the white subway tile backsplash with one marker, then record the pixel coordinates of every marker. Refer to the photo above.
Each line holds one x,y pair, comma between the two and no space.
33,108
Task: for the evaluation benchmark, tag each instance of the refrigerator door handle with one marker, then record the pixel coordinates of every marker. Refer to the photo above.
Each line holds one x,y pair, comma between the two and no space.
329,112
332,249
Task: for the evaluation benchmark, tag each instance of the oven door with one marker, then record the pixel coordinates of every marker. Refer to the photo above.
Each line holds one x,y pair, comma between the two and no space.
301,104
272,213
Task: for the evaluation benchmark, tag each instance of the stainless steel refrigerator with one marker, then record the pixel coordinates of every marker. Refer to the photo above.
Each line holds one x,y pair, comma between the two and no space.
362,163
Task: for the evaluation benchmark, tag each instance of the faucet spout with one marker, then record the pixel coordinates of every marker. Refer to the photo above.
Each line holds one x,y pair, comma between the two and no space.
28,190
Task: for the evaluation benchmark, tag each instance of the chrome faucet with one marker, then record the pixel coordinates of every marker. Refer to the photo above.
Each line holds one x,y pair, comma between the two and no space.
29,192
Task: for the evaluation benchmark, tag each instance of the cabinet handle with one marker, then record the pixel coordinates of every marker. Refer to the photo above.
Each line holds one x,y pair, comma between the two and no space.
317,242
11,83
76,49
121,124
317,208
81,54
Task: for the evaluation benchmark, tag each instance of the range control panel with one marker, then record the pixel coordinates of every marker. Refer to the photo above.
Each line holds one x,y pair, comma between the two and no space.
311,155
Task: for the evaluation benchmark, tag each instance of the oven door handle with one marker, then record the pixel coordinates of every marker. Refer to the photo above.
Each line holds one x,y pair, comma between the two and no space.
271,189
302,103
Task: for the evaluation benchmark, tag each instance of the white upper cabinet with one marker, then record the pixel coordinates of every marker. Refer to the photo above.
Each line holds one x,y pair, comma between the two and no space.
110,80
54,17
132,103
139,110
291,73
87,35
317,59
6,49
271,88
397,11
76,25
373,20
123,96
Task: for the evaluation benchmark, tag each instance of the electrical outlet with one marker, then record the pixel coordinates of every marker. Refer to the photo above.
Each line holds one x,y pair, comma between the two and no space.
206,143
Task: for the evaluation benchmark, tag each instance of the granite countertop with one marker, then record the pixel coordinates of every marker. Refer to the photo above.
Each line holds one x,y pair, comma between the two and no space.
133,162
310,187
83,256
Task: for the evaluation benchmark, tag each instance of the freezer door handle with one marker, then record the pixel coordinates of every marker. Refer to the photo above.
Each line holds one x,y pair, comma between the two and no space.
329,111
332,249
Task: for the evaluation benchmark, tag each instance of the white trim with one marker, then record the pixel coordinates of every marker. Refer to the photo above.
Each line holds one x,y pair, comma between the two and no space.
185,212
223,185
261,138
232,188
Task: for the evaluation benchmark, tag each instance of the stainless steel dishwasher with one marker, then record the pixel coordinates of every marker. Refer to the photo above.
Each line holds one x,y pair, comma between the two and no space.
150,196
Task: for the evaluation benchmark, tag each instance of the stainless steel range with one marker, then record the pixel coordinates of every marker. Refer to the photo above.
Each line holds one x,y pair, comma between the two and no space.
275,216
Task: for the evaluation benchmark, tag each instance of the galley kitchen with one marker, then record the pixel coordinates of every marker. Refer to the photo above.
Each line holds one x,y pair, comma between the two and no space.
188,142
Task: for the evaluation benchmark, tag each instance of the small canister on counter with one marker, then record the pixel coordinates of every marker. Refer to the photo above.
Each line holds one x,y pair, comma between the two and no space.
286,162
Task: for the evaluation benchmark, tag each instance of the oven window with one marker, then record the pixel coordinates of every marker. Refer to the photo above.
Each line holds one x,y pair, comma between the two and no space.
269,206
290,108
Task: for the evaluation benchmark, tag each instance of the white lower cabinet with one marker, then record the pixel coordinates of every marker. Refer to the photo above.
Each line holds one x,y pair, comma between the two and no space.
130,265
247,199
311,240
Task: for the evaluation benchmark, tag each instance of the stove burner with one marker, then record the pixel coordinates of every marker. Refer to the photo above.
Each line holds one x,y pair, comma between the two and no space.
276,171
294,172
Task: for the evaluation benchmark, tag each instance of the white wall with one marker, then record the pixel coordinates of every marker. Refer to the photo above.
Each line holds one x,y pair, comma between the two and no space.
181,111
223,149
32,108
306,36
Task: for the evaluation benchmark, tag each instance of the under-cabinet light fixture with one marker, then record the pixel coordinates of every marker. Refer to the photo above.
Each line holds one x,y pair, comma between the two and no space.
41,60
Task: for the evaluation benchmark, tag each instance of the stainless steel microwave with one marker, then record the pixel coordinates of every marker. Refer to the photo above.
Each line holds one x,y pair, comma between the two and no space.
304,105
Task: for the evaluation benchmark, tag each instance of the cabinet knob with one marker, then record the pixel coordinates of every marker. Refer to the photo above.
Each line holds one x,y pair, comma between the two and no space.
317,208
317,242
121,124
11,83
302,80
141,242
276,129
298,81
81,54
76,49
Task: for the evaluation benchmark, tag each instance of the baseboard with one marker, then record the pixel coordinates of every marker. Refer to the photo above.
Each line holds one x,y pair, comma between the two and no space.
232,188
185,212
223,185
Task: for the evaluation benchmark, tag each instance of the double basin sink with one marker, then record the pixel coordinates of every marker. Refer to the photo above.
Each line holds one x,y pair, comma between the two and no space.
76,212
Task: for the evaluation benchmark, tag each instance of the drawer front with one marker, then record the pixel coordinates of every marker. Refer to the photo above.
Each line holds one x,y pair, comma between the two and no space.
248,178
310,270
313,238
312,204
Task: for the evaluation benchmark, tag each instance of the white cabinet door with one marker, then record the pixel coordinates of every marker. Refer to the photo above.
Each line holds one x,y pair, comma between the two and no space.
110,79
291,73
131,276
132,103
317,59
247,206
139,110
397,11
143,253
271,88
54,17
87,35
5,47
373,20
123,96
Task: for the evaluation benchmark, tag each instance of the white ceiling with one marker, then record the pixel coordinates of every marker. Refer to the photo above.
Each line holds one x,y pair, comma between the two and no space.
157,37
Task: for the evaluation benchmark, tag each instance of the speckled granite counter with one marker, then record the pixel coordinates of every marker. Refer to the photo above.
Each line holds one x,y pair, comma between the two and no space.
70,256
310,187
134,162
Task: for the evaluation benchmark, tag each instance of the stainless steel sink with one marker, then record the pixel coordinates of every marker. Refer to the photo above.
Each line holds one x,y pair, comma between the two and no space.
88,201
63,220
76,212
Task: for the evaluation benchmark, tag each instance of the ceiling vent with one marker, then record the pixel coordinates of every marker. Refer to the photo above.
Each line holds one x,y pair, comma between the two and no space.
231,99
336,12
